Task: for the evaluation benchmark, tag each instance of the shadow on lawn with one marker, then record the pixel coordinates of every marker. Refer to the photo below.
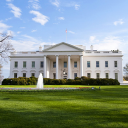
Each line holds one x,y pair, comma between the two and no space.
54,118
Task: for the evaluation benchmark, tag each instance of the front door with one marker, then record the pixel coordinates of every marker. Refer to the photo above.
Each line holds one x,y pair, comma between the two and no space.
54,75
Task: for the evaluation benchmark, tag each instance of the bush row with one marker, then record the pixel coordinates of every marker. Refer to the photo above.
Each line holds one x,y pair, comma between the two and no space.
47,81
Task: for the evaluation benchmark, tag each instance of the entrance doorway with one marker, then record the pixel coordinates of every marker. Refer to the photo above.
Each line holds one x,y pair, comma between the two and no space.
54,75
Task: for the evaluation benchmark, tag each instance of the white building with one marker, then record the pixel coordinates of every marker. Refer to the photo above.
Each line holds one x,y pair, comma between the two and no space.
67,61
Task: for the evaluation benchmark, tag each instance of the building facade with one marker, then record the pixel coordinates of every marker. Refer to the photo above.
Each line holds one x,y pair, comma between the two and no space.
66,61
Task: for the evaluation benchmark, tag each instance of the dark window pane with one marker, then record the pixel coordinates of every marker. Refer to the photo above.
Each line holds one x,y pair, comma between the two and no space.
89,75
106,63
24,64
15,75
16,64
24,74
33,64
54,64
115,63
65,64
97,63
41,64
88,64
75,64
75,75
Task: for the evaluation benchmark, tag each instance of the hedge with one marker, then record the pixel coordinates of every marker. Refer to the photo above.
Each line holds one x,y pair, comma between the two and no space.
47,81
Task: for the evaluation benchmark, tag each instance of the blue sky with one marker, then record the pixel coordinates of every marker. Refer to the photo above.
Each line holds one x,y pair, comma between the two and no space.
102,23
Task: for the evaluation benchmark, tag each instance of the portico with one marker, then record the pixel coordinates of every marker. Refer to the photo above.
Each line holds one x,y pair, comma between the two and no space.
63,63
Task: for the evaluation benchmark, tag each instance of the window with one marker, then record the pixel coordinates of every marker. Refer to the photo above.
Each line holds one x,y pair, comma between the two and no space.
75,75
116,76
15,75
65,64
24,74
97,63
16,65
115,63
107,75
41,64
88,64
75,64
33,64
43,74
24,64
106,63
33,74
89,75
97,75
54,64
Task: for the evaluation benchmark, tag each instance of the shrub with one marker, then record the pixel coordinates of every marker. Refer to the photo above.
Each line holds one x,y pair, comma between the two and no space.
47,81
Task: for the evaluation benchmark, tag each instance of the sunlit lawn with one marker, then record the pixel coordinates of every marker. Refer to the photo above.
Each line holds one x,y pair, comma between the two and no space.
103,108
45,86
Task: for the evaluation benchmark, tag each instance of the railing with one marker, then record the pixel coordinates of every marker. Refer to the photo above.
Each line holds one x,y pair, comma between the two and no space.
103,52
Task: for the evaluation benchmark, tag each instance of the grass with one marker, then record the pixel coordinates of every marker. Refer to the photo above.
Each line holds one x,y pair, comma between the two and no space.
105,108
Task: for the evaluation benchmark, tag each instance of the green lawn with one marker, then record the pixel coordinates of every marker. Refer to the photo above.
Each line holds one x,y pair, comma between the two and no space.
45,86
105,108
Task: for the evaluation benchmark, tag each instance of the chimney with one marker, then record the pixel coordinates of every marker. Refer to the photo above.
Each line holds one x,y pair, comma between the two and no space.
40,48
91,47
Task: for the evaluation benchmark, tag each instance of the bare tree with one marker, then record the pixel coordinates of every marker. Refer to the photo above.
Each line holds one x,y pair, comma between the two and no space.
5,48
125,68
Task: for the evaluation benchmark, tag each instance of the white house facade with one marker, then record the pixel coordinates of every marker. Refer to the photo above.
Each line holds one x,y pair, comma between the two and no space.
66,61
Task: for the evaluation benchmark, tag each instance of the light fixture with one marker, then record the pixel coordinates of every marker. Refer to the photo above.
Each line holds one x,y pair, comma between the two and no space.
64,71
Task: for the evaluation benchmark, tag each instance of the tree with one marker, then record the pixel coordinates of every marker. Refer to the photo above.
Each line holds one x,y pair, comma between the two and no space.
5,48
125,68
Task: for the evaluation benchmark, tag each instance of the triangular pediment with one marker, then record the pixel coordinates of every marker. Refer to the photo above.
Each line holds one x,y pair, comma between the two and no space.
63,47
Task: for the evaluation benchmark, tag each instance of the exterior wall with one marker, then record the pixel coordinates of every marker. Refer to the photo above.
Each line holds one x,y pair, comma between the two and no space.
102,69
28,70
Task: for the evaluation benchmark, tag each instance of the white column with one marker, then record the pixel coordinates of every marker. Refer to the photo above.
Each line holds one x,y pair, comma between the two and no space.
69,75
81,65
45,67
56,66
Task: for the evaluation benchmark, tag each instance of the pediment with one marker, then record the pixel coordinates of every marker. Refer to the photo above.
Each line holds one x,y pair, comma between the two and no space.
33,71
116,70
97,71
88,71
24,71
63,47
106,71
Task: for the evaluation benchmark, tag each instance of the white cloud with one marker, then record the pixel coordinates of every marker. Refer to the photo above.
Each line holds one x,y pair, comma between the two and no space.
109,43
92,38
71,32
34,4
3,27
118,22
28,43
33,30
18,32
55,3
8,19
73,4
61,18
77,6
9,0
15,10
40,18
